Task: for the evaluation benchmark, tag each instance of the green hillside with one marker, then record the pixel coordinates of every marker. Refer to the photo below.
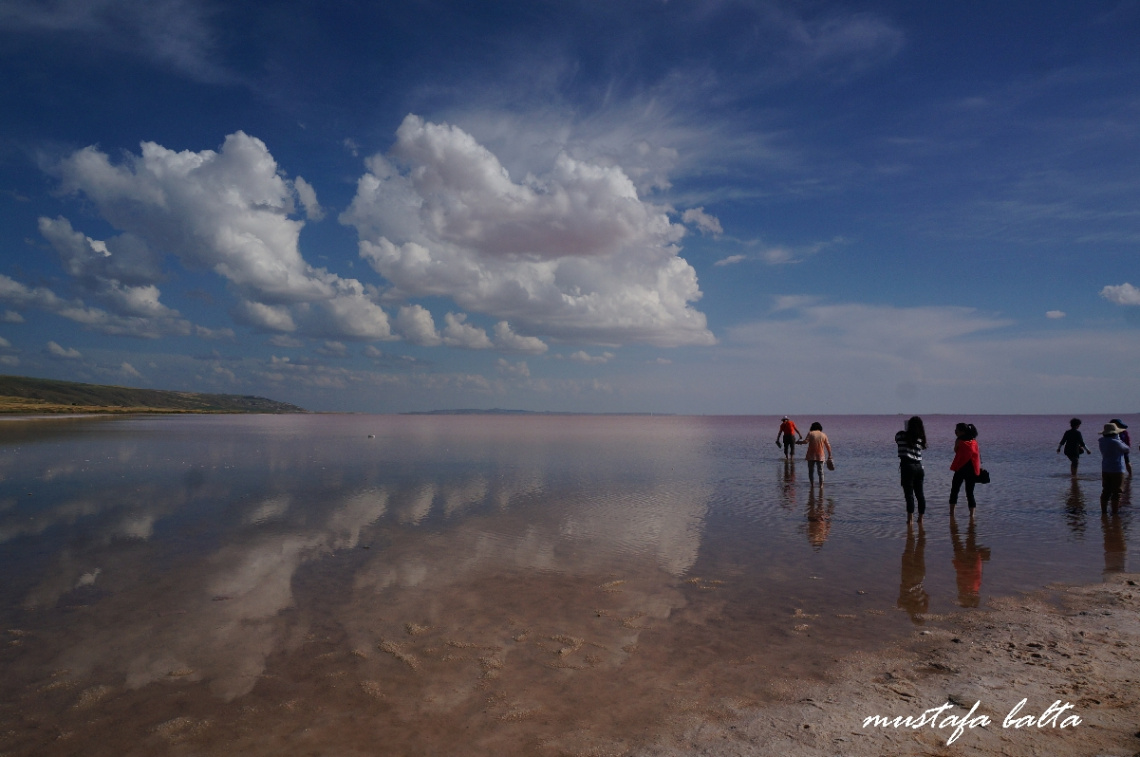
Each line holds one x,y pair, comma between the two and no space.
19,394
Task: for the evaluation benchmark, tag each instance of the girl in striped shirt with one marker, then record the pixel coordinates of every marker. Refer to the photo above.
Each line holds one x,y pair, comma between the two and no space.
911,442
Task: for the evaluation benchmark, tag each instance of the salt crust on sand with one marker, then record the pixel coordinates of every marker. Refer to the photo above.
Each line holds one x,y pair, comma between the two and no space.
1074,644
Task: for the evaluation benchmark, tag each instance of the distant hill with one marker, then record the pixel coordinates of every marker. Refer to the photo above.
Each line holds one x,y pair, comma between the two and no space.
19,394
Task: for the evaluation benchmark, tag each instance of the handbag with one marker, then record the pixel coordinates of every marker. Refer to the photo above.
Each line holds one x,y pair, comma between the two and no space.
830,464
984,477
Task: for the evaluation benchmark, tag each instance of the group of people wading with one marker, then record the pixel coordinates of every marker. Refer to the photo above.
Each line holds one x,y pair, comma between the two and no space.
1114,446
966,465
817,445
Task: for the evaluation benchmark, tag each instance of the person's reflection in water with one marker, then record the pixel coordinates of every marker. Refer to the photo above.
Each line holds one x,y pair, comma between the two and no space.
788,484
1075,508
819,514
912,594
1115,543
968,563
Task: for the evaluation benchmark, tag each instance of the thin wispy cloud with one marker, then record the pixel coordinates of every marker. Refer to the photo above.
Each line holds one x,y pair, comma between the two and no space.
582,356
176,34
96,319
63,353
774,255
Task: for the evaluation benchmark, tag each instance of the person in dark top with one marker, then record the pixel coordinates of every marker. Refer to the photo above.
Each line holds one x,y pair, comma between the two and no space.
911,442
1074,445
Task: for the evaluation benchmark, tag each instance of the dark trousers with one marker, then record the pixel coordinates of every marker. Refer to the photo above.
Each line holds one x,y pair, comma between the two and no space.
912,477
965,473
1111,486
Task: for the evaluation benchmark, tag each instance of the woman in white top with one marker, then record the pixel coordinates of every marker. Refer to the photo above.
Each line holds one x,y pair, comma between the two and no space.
817,444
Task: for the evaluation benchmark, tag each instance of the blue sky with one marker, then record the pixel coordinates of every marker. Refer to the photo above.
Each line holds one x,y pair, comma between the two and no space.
683,207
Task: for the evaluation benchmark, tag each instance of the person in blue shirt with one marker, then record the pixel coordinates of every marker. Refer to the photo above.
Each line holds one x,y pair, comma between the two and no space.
1112,451
1127,443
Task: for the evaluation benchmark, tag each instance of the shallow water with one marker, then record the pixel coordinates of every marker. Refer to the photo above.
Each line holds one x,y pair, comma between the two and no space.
483,584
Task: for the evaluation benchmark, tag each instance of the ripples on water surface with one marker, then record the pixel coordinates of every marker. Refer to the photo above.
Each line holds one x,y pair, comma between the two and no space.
482,584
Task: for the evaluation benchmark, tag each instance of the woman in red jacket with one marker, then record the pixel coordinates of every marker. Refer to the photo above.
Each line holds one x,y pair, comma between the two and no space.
967,464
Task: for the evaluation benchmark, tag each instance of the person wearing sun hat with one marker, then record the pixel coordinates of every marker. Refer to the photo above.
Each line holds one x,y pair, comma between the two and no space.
1127,443
1112,451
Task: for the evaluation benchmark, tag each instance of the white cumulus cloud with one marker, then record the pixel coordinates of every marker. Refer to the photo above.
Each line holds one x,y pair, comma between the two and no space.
268,317
1055,314
1123,294
415,324
458,333
508,341
229,211
572,255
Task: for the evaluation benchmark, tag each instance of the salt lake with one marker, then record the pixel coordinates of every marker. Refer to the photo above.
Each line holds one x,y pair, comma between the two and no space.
485,584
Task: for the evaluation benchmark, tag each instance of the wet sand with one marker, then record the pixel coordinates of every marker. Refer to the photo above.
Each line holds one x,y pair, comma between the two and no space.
1070,645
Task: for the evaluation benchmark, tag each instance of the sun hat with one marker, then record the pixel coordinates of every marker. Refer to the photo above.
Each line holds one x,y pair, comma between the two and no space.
1119,423
1110,429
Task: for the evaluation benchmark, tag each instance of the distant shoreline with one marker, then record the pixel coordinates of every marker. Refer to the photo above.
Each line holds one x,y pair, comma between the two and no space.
22,396
50,412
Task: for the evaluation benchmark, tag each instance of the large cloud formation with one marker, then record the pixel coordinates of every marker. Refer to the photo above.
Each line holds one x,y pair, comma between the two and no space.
574,255
227,211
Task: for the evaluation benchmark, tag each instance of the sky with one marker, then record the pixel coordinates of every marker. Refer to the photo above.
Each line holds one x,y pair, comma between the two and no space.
707,207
